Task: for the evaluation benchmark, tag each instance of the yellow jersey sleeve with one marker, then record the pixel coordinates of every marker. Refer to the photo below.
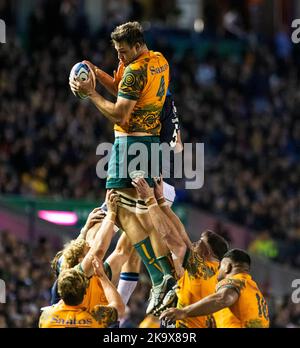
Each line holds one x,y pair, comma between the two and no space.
133,81
231,283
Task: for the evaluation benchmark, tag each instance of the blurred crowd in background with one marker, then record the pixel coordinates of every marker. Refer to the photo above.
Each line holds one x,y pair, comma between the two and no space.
242,103
22,267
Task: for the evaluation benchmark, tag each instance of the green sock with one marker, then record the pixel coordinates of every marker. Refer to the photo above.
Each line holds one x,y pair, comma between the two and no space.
145,250
166,265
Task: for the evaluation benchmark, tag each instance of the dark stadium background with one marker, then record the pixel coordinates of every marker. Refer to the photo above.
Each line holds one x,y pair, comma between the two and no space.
235,80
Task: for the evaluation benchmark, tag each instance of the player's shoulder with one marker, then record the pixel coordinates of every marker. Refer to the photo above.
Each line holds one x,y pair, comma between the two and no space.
232,282
136,66
160,59
147,60
158,55
52,308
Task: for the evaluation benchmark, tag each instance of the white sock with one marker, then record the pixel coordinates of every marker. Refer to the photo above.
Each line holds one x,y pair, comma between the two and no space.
127,284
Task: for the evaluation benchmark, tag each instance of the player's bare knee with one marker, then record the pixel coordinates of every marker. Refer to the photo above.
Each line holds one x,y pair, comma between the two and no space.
123,252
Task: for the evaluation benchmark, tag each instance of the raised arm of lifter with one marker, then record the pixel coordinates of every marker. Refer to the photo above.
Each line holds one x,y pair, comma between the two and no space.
114,299
104,235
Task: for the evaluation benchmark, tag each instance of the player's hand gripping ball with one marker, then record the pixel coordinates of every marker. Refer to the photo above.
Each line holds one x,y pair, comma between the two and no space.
82,72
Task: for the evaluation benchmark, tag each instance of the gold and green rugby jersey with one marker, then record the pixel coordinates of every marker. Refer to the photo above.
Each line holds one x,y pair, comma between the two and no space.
249,311
146,80
61,316
199,280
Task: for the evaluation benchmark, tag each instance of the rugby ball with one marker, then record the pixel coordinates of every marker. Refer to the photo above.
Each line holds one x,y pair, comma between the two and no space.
82,72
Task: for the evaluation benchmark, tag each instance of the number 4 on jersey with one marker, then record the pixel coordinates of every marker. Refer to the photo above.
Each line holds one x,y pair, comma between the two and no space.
161,89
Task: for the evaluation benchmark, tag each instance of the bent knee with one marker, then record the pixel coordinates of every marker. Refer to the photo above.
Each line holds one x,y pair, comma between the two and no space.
123,251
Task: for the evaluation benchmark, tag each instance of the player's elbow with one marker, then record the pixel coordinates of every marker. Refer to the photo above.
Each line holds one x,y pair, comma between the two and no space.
123,119
121,115
224,300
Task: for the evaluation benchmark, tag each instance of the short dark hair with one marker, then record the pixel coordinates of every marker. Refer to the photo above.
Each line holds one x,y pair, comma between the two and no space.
130,32
72,285
218,244
238,256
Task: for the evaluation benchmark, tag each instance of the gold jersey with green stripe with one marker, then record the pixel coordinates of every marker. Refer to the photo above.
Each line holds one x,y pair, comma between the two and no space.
145,80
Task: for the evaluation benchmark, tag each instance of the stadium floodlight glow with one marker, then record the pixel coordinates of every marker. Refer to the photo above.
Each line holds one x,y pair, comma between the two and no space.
66,218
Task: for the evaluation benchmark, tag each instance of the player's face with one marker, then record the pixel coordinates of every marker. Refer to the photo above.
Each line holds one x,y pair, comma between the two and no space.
224,268
127,54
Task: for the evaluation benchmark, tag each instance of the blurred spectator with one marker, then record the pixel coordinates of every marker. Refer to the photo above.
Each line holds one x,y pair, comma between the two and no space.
295,315
283,44
3,323
287,315
24,268
263,245
222,230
